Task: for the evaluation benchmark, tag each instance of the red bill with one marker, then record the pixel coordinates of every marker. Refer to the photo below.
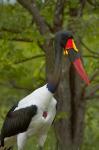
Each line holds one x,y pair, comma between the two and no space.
74,56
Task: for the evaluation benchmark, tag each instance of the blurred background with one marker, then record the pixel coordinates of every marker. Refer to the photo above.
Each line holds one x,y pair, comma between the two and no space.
25,36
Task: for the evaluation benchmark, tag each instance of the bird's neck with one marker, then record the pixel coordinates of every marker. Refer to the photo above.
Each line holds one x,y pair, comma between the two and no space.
54,79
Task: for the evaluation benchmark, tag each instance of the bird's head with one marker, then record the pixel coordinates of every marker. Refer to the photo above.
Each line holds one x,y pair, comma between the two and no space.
64,42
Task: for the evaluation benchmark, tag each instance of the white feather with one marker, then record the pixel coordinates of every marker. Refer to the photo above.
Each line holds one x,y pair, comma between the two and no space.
39,125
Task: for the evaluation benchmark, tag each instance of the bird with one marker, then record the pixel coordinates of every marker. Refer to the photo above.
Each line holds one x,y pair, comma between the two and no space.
34,114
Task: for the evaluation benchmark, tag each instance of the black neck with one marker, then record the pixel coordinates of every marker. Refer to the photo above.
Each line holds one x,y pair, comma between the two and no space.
53,81
60,43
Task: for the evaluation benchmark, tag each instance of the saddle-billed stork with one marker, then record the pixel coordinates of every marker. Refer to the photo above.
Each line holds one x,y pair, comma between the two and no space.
34,114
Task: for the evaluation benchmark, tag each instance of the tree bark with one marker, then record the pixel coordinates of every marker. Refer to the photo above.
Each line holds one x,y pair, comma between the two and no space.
63,96
70,100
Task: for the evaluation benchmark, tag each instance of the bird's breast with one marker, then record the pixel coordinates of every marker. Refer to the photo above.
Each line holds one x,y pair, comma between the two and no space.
42,119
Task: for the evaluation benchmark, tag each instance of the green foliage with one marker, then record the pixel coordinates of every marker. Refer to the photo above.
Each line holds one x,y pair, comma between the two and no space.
60,116
49,145
19,75
91,139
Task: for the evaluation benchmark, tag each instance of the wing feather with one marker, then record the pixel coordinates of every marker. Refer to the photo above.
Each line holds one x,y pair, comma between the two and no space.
17,121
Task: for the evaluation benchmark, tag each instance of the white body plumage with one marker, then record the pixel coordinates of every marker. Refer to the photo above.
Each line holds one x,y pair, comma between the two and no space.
39,124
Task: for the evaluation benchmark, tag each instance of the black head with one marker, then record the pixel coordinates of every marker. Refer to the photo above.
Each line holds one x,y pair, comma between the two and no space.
61,38
64,42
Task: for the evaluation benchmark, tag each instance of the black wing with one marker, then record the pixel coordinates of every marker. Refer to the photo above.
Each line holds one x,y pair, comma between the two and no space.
17,121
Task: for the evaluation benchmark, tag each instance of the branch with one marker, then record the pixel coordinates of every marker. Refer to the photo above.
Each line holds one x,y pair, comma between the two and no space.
84,45
93,56
10,85
91,92
42,46
95,74
92,78
58,15
30,58
39,20
10,30
95,4
92,97
21,88
18,39
94,89
82,5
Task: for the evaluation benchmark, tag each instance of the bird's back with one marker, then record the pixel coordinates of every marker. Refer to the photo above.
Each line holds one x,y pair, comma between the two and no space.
39,97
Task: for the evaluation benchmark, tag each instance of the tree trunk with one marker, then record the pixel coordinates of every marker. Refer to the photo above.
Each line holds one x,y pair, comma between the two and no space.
69,130
63,96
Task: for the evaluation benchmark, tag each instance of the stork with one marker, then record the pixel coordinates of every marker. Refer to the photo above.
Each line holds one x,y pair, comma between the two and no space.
34,114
